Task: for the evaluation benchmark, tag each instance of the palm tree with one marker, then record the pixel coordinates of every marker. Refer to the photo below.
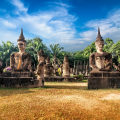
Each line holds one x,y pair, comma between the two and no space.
56,50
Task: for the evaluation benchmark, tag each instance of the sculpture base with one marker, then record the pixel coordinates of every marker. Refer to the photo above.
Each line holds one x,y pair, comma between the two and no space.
59,79
104,80
19,79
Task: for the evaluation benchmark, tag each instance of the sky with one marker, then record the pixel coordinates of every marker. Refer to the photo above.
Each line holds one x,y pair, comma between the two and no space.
71,23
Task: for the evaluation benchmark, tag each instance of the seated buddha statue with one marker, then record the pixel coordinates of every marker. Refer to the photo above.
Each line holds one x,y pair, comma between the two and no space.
100,61
48,69
20,61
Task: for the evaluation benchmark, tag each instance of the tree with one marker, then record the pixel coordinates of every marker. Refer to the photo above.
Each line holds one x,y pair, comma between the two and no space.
108,43
56,49
6,49
116,51
33,46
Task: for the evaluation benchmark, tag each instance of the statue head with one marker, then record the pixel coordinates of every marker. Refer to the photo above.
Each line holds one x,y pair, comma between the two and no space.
21,41
48,60
41,56
66,58
99,41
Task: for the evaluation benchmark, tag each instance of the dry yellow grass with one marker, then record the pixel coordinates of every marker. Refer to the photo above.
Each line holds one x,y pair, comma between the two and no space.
59,101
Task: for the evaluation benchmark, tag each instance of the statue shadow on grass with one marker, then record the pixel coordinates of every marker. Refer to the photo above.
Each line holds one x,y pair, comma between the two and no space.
13,91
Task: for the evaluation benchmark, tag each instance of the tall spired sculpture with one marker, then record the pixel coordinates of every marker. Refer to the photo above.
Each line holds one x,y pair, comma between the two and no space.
21,61
100,61
101,64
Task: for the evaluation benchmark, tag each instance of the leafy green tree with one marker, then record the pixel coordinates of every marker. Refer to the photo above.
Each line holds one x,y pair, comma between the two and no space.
116,51
33,46
56,49
108,43
6,49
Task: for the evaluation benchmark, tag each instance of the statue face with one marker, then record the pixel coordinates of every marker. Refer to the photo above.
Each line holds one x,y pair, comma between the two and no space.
99,45
21,45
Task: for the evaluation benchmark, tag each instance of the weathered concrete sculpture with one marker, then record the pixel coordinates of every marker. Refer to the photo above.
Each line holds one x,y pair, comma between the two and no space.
21,74
1,68
65,67
102,76
100,61
55,65
20,61
48,68
40,68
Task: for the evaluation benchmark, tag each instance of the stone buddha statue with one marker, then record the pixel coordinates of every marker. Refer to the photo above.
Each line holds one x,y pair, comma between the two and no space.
55,65
65,67
48,68
40,68
100,61
20,61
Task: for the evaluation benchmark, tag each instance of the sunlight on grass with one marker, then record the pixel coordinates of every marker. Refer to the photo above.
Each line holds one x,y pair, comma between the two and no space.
59,101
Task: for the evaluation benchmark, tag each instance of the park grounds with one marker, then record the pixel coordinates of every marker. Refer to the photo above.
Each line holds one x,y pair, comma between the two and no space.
60,101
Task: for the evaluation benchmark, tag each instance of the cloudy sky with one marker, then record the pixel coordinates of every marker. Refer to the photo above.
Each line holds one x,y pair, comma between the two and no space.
71,23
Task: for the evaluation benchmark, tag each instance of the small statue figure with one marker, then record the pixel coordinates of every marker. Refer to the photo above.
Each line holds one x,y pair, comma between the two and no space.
21,60
55,65
100,61
48,69
117,67
65,67
1,68
40,68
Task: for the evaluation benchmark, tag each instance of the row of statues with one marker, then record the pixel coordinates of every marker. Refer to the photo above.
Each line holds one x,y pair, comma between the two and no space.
98,61
21,61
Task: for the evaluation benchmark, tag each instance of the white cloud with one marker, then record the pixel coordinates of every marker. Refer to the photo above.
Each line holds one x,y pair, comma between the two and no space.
6,35
57,26
109,27
7,23
19,5
54,25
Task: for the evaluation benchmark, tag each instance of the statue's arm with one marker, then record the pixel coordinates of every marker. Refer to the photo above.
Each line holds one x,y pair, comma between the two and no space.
29,63
12,61
91,62
61,68
39,68
109,63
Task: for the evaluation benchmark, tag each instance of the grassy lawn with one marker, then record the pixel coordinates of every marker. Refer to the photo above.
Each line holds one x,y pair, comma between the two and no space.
59,101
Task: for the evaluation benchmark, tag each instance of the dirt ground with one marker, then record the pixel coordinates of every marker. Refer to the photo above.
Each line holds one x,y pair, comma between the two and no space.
59,101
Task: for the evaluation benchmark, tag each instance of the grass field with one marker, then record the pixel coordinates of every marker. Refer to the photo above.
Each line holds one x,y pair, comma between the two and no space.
59,101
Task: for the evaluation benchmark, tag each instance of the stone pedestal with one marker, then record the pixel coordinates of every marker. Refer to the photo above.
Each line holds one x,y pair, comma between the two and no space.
59,79
104,80
18,79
